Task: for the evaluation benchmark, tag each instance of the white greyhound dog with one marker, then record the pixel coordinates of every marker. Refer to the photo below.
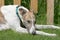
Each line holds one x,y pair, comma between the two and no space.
20,19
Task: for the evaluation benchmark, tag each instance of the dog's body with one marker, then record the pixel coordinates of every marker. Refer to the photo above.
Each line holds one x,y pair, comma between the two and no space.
10,20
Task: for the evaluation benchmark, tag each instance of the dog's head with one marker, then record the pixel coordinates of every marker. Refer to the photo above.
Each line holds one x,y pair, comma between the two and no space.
28,19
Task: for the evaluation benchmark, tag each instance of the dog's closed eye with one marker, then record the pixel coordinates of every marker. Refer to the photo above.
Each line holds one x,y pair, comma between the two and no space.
29,21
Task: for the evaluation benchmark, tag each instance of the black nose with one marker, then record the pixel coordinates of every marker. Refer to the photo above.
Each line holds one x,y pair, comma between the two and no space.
34,33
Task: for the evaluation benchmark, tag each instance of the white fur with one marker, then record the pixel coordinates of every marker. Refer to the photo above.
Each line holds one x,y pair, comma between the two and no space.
32,28
13,21
46,26
44,33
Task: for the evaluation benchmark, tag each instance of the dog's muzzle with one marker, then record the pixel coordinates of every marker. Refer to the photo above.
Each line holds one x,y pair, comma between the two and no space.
34,32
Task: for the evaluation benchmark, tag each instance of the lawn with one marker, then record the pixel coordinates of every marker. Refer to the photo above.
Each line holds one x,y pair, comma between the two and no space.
11,35
40,19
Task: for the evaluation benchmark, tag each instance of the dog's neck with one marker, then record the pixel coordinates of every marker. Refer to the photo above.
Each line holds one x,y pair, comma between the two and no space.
20,17
18,14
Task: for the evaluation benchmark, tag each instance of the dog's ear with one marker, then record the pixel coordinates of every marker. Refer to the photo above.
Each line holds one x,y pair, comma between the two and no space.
32,11
22,11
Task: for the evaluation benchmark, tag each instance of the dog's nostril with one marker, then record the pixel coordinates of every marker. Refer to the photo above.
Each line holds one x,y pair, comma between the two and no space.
33,33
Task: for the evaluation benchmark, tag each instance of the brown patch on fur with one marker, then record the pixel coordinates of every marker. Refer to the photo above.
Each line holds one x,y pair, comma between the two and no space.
2,19
28,16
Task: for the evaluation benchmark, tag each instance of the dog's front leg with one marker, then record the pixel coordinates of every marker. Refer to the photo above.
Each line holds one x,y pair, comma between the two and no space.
23,30
44,33
46,27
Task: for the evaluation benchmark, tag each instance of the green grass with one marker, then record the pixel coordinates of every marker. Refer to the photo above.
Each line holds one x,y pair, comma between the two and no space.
11,35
